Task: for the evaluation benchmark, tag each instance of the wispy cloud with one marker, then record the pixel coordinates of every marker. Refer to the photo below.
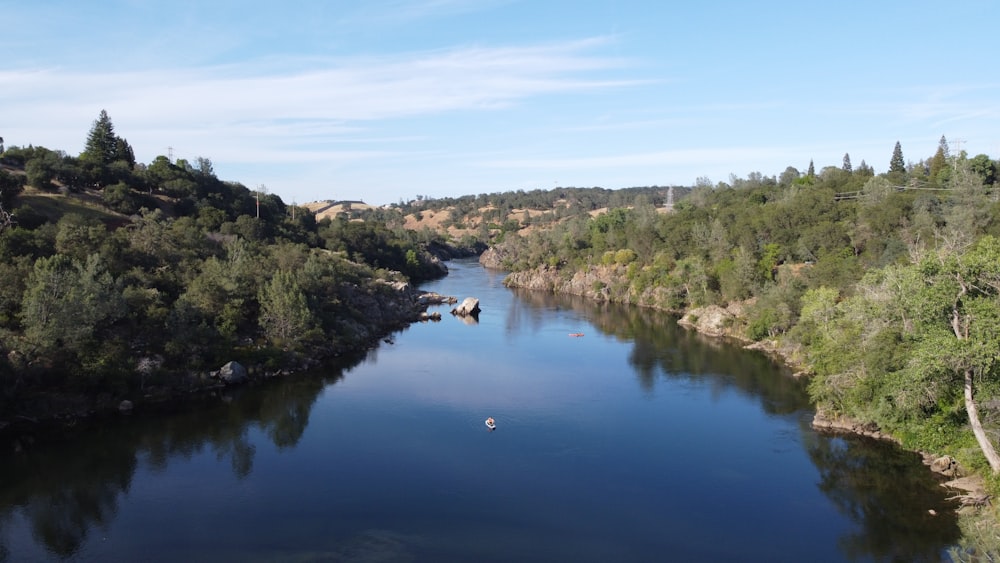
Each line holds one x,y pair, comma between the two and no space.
331,97
653,158
396,12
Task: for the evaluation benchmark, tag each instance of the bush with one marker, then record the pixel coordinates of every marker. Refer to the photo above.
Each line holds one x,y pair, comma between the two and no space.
760,326
10,187
121,199
625,256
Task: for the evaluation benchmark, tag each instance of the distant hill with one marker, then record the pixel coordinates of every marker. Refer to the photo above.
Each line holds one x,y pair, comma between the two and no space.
486,215
330,208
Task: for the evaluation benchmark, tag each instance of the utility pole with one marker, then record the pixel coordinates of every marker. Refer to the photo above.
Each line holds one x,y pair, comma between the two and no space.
958,146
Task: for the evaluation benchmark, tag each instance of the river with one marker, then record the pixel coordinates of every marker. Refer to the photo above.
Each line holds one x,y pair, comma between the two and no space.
637,441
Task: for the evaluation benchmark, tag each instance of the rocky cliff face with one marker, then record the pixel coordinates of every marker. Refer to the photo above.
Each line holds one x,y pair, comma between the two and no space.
603,283
492,258
610,283
376,310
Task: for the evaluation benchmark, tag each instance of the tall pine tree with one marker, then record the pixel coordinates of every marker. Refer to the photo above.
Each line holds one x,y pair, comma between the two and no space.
123,151
897,164
847,163
103,149
939,162
102,144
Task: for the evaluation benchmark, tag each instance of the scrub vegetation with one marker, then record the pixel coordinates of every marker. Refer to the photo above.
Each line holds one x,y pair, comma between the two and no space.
118,278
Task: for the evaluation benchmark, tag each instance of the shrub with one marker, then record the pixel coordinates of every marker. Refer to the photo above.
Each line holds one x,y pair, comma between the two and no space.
625,256
760,326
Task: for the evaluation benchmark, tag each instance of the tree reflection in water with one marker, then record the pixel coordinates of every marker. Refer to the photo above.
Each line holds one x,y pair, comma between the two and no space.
70,485
885,491
889,494
662,348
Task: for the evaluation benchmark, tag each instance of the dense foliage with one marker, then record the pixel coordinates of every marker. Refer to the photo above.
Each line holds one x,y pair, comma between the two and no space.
886,286
115,275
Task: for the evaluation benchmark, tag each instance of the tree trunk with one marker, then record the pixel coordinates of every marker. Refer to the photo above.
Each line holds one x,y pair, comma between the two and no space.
977,427
970,403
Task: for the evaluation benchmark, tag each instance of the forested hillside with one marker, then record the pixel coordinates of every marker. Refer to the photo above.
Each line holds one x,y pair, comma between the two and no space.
118,277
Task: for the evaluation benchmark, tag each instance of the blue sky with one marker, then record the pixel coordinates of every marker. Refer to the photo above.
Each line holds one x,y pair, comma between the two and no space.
384,100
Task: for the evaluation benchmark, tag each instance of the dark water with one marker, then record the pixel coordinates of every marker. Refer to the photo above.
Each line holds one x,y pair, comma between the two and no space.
635,442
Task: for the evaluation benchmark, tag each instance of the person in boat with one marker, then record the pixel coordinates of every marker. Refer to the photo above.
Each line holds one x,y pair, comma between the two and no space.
490,421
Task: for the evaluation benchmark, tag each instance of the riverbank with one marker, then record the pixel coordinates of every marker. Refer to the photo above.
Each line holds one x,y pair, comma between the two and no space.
35,410
608,283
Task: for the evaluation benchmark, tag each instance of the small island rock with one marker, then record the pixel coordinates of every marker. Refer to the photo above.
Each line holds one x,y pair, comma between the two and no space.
468,308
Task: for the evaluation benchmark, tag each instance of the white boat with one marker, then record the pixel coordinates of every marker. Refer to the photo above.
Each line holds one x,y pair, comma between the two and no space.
490,423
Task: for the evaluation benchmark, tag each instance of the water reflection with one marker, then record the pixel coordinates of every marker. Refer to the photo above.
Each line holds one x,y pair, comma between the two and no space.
69,485
876,485
885,491
661,348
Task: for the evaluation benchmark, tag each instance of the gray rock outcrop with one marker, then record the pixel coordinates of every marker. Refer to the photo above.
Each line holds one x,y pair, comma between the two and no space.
492,258
232,373
468,308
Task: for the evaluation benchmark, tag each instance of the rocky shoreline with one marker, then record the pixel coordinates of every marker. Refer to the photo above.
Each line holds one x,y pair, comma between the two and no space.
391,308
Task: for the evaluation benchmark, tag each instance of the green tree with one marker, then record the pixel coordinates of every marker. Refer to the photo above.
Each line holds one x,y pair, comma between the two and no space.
896,163
284,313
124,152
986,168
104,150
40,172
737,275
66,302
847,163
224,291
969,209
10,187
939,162
959,325
102,144
119,197
78,236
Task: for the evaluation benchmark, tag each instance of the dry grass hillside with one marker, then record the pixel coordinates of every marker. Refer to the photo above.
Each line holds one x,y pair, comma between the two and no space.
442,221
324,209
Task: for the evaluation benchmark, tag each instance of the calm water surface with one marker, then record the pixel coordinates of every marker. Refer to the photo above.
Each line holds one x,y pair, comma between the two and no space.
635,442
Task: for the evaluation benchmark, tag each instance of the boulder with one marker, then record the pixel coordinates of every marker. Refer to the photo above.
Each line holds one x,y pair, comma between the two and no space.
233,373
125,406
468,308
945,465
